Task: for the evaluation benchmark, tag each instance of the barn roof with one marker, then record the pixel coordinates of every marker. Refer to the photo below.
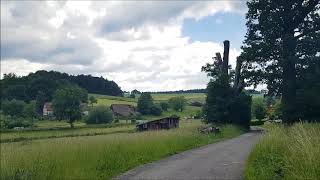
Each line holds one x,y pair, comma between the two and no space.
122,109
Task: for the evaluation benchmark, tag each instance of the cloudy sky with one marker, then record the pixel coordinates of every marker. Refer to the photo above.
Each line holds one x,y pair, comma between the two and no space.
149,46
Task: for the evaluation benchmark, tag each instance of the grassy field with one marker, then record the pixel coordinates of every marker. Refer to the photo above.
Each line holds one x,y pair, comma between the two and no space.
108,100
286,153
15,136
99,157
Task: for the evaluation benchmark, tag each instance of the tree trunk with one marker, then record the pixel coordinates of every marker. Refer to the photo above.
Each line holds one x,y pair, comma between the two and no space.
225,63
71,123
289,79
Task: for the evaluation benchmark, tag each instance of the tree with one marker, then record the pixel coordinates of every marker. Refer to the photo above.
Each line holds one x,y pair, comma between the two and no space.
259,108
135,92
100,114
145,102
178,103
156,110
226,102
30,110
281,43
13,108
92,100
164,106
66,103
132,96
40,100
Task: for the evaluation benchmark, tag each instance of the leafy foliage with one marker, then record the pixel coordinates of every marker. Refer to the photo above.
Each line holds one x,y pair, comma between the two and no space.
92,100
178,103
145,102
156,110
98,115
164,106
13,108
259,109
27,88
281,46
66,103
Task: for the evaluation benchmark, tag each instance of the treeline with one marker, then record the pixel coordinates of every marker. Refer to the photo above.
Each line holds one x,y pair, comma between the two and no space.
27,88
181,91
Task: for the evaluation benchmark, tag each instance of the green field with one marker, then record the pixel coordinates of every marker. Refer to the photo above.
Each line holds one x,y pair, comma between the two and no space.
286,153
101,157
108,100
14,136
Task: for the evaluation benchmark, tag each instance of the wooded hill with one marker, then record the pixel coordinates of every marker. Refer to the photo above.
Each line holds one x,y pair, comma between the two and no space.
27,87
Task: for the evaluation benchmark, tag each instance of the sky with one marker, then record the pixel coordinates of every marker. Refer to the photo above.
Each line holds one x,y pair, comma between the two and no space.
145,45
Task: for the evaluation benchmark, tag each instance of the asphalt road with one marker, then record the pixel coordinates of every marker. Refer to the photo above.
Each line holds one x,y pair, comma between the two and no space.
222,160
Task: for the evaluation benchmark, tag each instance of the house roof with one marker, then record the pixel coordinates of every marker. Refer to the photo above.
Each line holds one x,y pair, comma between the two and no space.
122,109
48,106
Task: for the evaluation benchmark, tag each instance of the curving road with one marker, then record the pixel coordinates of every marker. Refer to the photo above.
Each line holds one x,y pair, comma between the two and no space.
222,160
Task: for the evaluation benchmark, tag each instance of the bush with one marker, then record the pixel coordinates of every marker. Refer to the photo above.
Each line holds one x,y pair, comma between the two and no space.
178,103
98,115
156,110
10,123
132,96
164,106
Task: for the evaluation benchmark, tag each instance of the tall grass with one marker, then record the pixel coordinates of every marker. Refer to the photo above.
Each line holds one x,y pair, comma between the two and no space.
99,157
286,153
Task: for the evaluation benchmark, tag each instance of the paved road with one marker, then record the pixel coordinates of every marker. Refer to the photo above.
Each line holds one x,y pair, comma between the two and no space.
222,160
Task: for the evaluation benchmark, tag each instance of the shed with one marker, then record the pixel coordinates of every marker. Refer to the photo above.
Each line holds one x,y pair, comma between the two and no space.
123,110
164,123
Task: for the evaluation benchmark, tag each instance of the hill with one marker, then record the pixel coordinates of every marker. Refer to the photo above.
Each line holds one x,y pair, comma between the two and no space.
27,87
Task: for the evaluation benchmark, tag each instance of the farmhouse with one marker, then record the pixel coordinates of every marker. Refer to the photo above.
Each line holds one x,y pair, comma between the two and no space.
164,123
123,110
47,109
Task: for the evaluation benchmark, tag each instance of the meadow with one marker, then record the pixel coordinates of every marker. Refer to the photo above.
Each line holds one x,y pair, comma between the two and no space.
103,156
89,130
286,153
108,100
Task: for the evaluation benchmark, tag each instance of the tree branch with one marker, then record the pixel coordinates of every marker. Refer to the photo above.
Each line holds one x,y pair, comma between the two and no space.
305,11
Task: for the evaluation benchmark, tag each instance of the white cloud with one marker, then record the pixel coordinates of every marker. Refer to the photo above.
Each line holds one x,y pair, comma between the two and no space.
138,45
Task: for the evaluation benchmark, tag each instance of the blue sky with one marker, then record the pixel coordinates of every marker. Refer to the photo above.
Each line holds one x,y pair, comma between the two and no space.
217,28
144,45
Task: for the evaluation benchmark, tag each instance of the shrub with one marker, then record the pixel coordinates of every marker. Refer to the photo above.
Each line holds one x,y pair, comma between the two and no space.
18,122
177,103
156,110
132,96
164,106
98,115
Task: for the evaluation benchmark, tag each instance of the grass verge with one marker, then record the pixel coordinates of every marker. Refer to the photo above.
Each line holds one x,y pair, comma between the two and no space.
286,153
100,157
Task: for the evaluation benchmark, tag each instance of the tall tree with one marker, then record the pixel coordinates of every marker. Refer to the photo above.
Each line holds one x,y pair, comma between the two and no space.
282,40
224,103
66,103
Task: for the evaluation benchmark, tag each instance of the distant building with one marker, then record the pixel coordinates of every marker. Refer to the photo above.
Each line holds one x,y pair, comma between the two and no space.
164,123
123,110
47,109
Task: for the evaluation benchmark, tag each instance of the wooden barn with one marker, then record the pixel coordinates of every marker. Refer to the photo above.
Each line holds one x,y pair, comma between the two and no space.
164,123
